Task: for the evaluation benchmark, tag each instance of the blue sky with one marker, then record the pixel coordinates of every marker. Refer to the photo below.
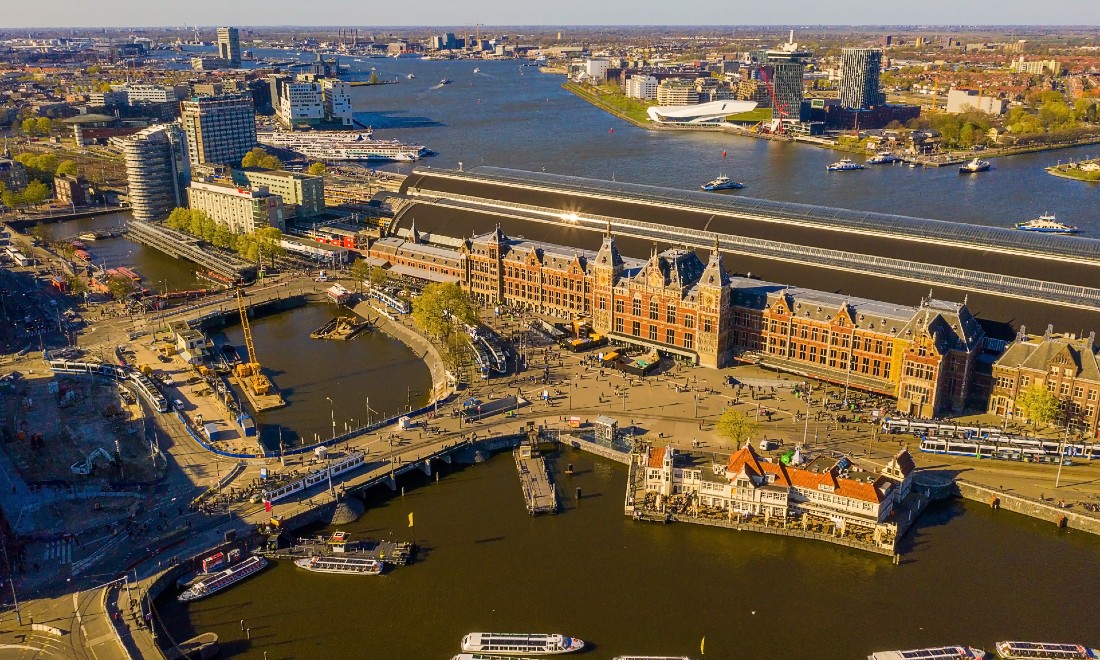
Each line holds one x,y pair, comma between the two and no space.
452,14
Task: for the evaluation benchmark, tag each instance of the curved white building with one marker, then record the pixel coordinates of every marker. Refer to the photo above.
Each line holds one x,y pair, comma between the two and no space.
713,112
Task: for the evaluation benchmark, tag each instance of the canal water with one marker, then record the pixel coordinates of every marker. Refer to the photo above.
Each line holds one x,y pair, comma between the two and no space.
969,575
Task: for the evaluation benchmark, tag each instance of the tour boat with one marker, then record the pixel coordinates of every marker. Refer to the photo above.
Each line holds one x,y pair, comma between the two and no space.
1045,651
1046,224
520,644
843,165
346,565
723,182
974,166
883,158
226,578
445,81
87,236
937,653
477,70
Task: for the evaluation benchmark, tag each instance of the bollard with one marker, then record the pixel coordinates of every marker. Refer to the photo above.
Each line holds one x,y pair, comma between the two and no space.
248,632
402,491
578,494
242,624
569,469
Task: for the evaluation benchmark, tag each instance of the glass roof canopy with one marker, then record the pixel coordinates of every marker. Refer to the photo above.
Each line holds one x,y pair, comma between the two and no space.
1065,247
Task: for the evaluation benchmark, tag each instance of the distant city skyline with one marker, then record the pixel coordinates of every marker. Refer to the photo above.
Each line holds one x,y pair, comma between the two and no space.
450,15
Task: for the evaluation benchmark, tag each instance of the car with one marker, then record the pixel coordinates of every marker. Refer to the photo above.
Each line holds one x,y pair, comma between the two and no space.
164,358
178,404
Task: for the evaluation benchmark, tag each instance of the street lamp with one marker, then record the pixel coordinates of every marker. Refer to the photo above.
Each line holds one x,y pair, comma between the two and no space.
332,413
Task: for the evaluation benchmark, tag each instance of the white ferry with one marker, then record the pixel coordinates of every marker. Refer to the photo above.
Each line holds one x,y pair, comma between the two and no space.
339,145
723,182
1047,224
1045,651
844,165
883,158
344,565
513,644
937,653
974,166
651,657
229,576
484,656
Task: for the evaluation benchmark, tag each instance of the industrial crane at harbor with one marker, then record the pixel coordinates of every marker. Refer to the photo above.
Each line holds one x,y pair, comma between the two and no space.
250,372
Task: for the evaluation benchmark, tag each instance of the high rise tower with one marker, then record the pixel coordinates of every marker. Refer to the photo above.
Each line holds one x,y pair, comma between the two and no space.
220,129
157,170
229,46
860,71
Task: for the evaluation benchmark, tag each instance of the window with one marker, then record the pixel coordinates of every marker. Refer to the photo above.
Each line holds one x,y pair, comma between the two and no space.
636,329
707,325
689,321
618,306
603,302
670,313
889,349
652,332
1092,395
886,369
1025,381
637,307
654,311
688,340
1064,389
670,336
619,324
1078,391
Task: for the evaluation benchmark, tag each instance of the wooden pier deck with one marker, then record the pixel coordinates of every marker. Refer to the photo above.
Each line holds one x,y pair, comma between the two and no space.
539,493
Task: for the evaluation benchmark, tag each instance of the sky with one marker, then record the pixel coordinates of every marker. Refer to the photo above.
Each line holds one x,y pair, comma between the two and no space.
452,14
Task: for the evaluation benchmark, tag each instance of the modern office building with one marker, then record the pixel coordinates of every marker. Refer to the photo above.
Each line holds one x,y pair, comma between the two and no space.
220,129
860,71
229,46
311,101
303,194
961,100
641,86
241,209
157,170
138,94
677,91
336,98
784,68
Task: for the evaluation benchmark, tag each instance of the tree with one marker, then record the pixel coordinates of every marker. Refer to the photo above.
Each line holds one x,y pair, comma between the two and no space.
259,158
1038,404
441,307
179,219
77,285
119,286
736,426
317,169
36,192
360,271
379,277
222,237
67,167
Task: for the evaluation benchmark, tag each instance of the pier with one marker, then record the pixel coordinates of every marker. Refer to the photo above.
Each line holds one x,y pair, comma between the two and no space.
225,267
341,328
539,493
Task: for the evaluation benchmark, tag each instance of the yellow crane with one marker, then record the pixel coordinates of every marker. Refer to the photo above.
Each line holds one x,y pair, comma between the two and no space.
250,372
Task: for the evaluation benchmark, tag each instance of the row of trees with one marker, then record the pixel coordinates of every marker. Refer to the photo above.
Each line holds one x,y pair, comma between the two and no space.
259,158
441,312
36,126
36,192
257,245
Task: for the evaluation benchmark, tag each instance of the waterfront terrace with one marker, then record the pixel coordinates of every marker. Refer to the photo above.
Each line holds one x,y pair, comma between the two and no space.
1034,279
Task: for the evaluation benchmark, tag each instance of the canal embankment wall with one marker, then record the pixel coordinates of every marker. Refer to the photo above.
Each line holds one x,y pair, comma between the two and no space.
424,349
1050,512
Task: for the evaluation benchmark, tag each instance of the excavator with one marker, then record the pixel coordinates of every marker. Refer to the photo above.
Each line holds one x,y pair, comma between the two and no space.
250,372
84,468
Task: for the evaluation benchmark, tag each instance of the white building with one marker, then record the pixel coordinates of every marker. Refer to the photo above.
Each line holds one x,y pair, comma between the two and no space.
241,209
961,100
300,102
336,97
137,94
641,86
1036,68
596,69
677,91
714,112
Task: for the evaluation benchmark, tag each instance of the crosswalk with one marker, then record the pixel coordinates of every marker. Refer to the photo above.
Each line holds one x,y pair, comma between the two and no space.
60,550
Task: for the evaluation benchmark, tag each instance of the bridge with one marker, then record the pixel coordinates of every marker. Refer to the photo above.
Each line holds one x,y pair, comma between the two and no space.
184,246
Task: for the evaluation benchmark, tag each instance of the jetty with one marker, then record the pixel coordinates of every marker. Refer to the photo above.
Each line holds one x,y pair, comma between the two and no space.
397,553
539,493
341,328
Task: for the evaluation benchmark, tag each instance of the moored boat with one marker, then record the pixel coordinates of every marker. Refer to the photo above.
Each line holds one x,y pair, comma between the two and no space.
723,182
843,165
226,578
1045,651
935,653
445,81
883,158
1046,224
974,166
336,564
512,644
88,236
651,657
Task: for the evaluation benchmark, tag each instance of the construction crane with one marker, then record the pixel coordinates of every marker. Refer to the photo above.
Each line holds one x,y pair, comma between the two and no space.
250,372
780,108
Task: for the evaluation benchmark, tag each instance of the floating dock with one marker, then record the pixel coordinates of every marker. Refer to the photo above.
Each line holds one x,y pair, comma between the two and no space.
539,493
397,553
260,402
341,328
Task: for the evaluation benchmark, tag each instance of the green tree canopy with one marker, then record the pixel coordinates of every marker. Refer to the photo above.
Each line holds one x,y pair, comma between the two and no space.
257,157
317,169
67,167
119,286
360,272
36,192
1038,404
440,311
736,426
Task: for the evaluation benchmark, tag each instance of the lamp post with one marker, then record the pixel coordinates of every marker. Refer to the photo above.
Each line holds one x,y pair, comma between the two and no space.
332,413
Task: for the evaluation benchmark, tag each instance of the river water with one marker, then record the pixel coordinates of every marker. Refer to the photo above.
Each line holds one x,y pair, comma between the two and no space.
969,575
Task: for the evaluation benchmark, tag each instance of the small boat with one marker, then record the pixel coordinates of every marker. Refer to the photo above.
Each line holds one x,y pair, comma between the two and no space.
88,236
1045,651
937,653
226,578
445,81
844,165
411,76
477,70
513,644
883,158
723,182
974,166
344,565
1046,224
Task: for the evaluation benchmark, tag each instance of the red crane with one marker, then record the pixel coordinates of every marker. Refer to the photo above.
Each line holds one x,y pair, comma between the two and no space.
780,108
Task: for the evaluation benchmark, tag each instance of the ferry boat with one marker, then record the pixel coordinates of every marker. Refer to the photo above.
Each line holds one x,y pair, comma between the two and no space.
1047,224
226,578
344,565
87,236
974,166
520,644
937,653
1045,651
445,81
477,69
843,165
338,145
883,158
723,182
411,76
